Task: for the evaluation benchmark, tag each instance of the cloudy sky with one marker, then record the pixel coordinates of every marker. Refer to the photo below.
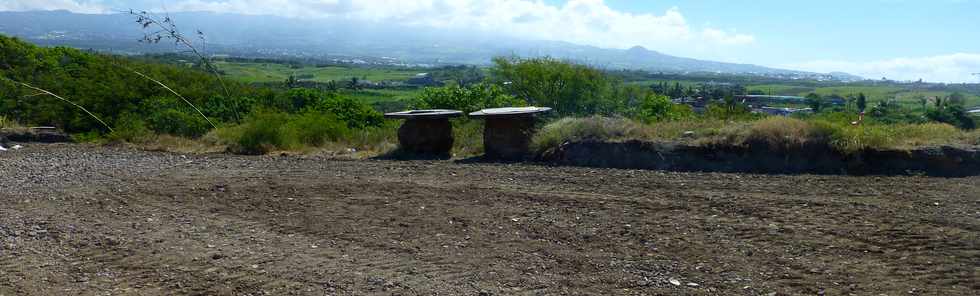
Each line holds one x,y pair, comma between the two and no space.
936,40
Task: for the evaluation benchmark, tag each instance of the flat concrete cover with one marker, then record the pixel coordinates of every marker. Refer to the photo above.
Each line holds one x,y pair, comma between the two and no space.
513,111
424,114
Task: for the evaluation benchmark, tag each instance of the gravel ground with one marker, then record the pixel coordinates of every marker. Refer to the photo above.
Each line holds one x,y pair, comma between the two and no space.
92,220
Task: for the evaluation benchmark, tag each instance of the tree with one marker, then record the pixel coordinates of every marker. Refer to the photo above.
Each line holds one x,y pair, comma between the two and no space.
467,99
291,81
655,107
815,101
862,102
569,88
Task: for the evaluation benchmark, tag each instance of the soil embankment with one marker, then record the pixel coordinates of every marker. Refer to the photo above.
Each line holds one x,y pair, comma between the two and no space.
814,159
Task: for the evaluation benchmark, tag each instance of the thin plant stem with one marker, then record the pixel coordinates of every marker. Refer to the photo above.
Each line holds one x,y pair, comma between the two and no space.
175,93
63,99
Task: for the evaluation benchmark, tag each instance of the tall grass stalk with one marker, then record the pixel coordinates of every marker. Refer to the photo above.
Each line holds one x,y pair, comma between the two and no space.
176,94
63,99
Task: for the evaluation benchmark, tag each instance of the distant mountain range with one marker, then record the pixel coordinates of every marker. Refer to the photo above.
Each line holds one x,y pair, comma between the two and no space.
277,37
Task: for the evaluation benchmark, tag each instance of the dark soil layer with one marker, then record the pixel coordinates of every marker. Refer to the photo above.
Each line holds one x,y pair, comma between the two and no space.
35,136
81,220
935,161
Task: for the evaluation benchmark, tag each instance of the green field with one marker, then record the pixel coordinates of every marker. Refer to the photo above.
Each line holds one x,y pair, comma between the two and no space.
272,72
269,72
875,93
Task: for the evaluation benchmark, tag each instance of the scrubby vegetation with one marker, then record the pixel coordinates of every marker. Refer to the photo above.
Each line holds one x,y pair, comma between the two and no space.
589,103
774,132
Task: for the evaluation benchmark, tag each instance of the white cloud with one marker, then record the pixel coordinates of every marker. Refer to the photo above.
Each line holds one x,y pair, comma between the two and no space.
80,6
590,22
954,68
579,21
722,37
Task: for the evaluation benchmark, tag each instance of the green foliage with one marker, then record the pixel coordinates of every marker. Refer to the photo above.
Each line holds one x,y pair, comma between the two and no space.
862,102
227,109
131,128
954,115
467,99
315,128
177,123
729,110
568,88
355,113
815,101
890,112
263,131
655,107
103,84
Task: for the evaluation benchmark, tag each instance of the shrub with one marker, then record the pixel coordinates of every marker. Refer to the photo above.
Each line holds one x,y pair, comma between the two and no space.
354,113
467,99
131,128
267,130
955,115
227,110
315,129
655,107
569,88
259,133
729,110
178,123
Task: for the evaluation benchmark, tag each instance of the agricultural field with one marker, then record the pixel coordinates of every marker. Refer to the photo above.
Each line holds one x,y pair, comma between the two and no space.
905,96
273,72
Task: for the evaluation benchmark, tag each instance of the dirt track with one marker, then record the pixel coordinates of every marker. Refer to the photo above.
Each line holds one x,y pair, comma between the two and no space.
79,220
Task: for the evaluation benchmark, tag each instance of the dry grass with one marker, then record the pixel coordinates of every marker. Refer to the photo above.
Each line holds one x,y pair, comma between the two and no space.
8,124
776,132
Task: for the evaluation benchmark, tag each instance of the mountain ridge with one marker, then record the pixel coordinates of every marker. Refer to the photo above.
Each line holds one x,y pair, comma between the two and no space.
271,36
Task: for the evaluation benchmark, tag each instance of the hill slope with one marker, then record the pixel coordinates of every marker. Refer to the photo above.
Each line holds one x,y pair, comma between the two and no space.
270,36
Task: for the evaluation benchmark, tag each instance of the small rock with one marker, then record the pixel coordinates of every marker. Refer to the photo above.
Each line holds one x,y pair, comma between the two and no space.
674,282
693,285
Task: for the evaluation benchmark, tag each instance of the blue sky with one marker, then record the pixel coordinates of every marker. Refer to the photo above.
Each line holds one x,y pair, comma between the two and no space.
936,40
835,29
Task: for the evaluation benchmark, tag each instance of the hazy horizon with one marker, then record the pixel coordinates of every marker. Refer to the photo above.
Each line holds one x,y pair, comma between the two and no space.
900,40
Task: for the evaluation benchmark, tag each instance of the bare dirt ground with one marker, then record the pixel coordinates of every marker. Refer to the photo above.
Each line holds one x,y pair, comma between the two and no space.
80,220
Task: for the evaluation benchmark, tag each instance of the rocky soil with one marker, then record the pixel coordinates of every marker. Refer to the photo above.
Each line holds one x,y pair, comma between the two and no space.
85,220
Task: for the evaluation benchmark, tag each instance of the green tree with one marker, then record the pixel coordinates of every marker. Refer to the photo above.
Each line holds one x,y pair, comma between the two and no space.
862,102
815,101
467,99
656,107
569,88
